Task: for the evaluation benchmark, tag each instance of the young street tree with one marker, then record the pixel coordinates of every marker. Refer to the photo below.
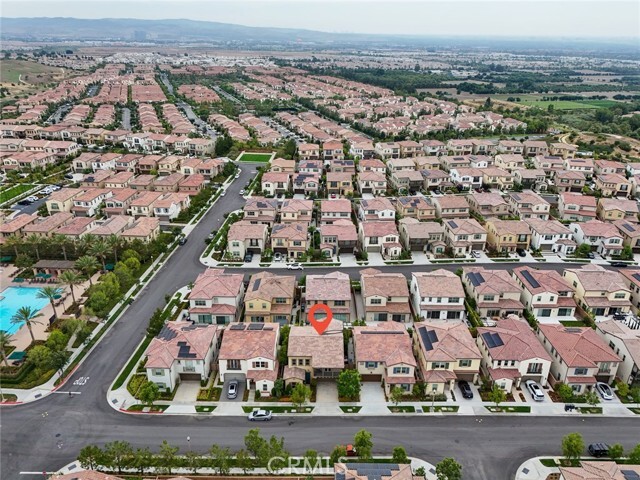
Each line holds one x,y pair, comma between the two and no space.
167,457
90,457
363,443
497,395
396,395
300,395
148,393
616,451
400,455
448,469
572,446
337,454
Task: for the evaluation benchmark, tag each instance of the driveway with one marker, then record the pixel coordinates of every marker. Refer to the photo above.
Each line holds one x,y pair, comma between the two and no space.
327,392
187,392
372,399
225,388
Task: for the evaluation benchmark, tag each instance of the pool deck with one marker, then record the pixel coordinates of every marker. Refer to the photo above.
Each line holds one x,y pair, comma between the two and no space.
22,339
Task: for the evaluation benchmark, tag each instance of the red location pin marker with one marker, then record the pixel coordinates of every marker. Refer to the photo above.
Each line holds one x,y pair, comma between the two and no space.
320,325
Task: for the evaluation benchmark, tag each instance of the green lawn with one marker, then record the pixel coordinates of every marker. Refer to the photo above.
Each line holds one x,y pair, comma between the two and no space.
635,410
205,409
139,407
570,104
590,409
510,409
402,409
573,323
354,409
277,409
548,462
14,191
441,408
254,157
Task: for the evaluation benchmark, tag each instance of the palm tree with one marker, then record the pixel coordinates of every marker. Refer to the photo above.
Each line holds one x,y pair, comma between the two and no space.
5,342
87,265
114,243
85,242
51,294
100,248
71,278
60,241
27,315
35,241
15,242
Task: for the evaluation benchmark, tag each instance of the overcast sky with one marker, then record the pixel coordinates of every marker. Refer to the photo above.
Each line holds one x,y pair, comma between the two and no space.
540,18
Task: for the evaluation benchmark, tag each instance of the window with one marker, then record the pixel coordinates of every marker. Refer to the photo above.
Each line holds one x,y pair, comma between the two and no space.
436,365
259,364
619,295
534,368
371,364
489,298
454,299
281,300
339,303
376,301
307,361
264,387
580,371
373,240
200,303
464,363
158,372
400,370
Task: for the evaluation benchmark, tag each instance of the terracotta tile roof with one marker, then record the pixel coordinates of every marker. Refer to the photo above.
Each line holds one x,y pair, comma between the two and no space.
439,283
296,205
143,227
547,280
344,230
244,229
387,342
377,204
454,342
375,282
267,286
326,350
596,278
452,201
492,281
340,205
46,224
380,228
630,338
491,199
598,470
64,194
291,373
113,225
468,226
215,282
332,286
547,227
290,231
519,341
417,229
245,343
362,471
578,346
514,227
569,198
170,343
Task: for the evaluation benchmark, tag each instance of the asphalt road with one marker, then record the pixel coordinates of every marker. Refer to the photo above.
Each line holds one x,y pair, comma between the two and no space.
126,118
49,433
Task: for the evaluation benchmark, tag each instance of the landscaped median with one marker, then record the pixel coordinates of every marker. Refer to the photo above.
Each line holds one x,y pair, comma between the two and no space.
277,409
509,408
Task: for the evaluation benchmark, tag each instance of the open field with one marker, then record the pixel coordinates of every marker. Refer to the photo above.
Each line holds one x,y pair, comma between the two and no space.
254,157
569,104
13,71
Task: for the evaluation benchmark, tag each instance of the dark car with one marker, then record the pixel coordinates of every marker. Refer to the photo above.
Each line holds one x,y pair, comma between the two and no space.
521,252
591,255
599,450
619,264
182,240
25,202
465,388
248,257
68,176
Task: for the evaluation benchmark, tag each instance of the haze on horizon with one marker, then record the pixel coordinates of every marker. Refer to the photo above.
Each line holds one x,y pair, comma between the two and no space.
499,18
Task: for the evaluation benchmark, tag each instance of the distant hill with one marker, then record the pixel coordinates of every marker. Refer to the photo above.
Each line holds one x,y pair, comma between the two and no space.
60,29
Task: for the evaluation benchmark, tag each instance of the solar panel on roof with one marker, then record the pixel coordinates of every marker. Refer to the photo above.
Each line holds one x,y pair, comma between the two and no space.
488,339
516,196
475,278
432,335
636,276
424,335
256,285
630,474
237,326
256,326
497,340
628,227
167,333
532,281
453,224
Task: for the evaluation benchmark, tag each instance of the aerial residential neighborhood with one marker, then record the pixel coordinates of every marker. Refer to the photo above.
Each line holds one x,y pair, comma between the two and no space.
404,236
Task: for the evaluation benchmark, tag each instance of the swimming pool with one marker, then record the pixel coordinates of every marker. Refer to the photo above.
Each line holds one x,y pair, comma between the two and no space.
12,299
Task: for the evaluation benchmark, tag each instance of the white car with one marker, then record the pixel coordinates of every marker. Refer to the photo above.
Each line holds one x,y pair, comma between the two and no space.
604,390
535,390
223,193
295,266
241,192
260,415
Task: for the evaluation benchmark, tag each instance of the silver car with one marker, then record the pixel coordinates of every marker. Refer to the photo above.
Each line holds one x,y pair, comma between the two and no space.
232,391
604,390
535,390
260,415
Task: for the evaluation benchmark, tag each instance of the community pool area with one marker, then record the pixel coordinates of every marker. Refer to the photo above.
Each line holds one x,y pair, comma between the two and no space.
13,298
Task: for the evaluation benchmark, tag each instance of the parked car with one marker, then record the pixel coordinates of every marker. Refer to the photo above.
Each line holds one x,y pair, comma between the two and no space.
260,416
26,201
521,252
295,266
535,390
591,255
223,193
619,264
475,254
232,390
69,176
211,236
465,388
182,240
241,192
248,257
277,257
598,449
604,390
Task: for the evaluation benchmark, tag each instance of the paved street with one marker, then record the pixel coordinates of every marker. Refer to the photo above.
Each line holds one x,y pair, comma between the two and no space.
49,433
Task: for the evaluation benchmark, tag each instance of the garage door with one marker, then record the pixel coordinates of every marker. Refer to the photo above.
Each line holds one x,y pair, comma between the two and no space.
241,377
190,376
371,378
